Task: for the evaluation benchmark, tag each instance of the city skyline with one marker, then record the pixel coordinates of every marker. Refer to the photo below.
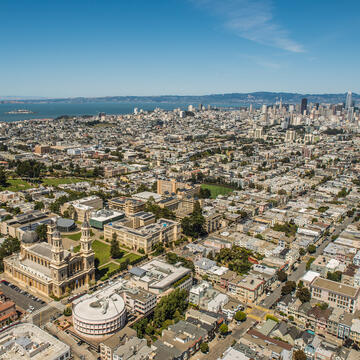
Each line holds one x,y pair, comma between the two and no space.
90,49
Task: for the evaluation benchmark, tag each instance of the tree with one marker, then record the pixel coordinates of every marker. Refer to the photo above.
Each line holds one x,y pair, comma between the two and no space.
193,225
334,276
140,327
309,262
240,316
303,294
302,251
159,212
288,288
210,256
29,168
39,205
204,347
236,259
158,249
168,305
223,329
41,231
8,247
67,311
311,249
299,355
204,193
115,251
281,275
3,181
323,306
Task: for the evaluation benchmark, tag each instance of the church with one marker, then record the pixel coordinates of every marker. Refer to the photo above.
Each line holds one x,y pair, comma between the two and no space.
47,268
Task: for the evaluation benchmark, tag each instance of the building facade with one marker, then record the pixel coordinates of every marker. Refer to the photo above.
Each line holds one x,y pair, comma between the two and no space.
337,295
141,231
49,269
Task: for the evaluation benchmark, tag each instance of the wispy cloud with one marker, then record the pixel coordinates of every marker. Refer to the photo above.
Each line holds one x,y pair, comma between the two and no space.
261,61
252,20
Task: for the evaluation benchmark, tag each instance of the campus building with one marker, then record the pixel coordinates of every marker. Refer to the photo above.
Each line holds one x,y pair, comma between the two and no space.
168,187
78,209
127,205
46,267
102,217
99,314
142,231
160,278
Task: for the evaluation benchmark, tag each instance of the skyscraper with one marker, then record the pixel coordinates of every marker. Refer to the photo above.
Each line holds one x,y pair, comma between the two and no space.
303,105
348,104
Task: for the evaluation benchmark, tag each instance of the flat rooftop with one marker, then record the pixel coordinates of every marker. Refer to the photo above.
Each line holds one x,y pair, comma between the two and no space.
27,341
161,275
104,215
335,287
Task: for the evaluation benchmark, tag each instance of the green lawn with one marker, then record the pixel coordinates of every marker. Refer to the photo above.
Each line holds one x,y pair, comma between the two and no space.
75,237
217,190
104,270
60,181
130,256
16,185
102,251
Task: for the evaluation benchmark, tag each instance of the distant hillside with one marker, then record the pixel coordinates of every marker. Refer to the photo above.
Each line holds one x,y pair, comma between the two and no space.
234,99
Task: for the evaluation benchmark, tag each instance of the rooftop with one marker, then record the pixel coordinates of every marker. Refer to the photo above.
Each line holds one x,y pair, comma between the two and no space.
335,287
27,341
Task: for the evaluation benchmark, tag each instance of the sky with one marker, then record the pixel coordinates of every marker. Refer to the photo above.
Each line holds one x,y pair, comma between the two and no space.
69,48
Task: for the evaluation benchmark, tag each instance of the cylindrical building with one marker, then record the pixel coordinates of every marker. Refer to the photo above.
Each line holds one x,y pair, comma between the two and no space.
99,314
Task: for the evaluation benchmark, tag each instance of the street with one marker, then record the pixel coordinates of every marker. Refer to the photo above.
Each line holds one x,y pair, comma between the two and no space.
301,270
79,352
218,346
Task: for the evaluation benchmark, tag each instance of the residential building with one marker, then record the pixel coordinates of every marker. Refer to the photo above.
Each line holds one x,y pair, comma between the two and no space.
337,295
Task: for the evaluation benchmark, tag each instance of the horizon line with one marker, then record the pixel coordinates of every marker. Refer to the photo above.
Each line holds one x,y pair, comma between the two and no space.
35,97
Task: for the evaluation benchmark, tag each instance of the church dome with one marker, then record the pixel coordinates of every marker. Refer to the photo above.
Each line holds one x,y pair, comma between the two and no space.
29,237
56,234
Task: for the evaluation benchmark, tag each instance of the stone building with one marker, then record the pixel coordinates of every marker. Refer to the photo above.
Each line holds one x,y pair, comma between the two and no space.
47,268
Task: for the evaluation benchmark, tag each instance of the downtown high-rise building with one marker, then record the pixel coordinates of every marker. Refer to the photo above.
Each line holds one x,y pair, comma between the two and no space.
303,106
348,103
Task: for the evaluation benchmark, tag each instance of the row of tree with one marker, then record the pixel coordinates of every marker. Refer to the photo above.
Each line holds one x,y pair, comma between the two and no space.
194,225
168,310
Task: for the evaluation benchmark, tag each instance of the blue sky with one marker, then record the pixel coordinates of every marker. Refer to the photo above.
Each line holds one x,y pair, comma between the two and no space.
61,48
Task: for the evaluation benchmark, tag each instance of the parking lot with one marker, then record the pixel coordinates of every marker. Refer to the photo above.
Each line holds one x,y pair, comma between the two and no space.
22,299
